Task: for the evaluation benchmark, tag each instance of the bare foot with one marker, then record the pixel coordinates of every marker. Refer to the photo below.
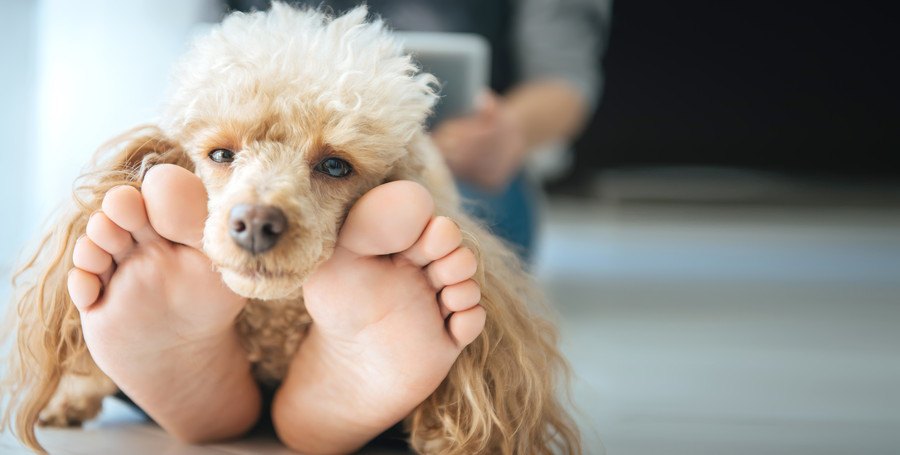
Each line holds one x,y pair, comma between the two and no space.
156,317
392,310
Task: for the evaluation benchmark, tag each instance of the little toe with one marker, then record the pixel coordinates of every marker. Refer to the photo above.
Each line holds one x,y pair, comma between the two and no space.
84,288
459,297
388,219
465,326
89,257
109,236
124,206
439,239
456,267
175,200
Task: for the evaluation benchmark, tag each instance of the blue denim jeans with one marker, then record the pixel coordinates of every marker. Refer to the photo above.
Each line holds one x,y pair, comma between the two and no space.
510,213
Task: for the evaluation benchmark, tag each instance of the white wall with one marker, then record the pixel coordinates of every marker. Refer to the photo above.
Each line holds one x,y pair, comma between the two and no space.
103,68
75,74
17,125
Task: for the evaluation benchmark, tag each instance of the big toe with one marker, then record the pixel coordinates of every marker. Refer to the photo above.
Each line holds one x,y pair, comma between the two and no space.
388,219
176,203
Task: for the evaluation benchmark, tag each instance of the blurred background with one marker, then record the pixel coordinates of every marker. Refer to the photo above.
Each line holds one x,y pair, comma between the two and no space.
722,241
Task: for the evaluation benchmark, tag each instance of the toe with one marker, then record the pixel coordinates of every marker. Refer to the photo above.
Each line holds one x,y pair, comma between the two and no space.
388,219
84,288
459,297
465,326
89,257
124,206
175,200
456,267
109,236
440,238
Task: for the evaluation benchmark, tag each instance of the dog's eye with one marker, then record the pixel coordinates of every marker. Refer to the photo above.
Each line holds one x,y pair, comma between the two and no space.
221,156
334,167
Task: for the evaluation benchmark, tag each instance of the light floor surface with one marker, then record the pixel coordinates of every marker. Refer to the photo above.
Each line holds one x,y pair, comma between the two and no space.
693,328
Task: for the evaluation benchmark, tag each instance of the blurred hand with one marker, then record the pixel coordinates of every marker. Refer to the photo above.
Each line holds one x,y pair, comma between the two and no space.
486,148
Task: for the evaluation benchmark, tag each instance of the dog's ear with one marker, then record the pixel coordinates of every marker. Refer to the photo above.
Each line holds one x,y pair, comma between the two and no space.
48,341
136,150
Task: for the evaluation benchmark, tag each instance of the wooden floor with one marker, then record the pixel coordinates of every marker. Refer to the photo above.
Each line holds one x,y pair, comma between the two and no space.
122,430
710,329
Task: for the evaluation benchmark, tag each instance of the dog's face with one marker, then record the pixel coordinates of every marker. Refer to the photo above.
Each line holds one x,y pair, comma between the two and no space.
289,117
279,186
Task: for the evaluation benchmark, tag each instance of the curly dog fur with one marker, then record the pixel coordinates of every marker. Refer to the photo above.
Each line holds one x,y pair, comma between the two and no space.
287,87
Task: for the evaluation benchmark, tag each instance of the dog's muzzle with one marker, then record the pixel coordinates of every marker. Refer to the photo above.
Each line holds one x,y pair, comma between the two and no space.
256,228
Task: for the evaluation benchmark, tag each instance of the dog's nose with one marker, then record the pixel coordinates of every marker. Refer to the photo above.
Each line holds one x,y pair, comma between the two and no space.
256,228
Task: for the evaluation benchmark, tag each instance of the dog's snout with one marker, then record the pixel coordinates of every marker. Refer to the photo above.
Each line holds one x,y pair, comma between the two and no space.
256,228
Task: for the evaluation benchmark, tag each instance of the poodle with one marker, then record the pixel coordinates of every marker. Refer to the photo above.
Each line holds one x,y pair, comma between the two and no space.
338,85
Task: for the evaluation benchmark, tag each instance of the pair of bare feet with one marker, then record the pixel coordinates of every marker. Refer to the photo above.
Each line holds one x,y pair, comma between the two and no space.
392,309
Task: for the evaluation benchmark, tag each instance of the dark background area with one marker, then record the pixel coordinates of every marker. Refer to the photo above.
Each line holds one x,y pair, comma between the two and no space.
808,87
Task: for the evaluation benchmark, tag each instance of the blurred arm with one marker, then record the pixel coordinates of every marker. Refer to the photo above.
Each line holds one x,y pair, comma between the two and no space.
546,111
559,44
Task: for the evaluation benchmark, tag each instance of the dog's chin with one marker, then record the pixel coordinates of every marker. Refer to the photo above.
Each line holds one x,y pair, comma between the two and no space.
254,285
